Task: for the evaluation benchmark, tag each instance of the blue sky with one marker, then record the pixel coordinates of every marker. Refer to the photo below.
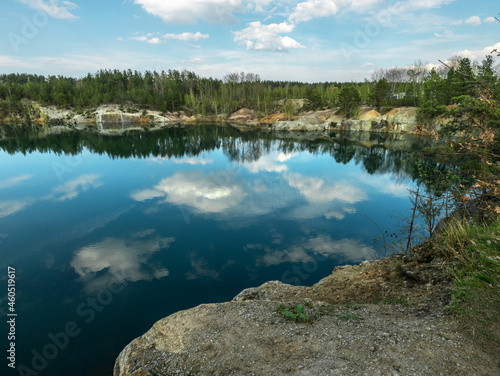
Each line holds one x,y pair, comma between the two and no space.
308,40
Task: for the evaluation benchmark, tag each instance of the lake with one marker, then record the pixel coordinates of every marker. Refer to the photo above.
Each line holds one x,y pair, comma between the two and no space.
107,235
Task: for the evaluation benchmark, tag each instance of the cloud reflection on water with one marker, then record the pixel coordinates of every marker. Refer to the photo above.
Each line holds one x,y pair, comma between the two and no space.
101,263
71,189
12,182
67,191
192,188
14,206
272,162
347,250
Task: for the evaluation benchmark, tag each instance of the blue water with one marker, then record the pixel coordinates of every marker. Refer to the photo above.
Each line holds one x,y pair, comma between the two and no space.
109,235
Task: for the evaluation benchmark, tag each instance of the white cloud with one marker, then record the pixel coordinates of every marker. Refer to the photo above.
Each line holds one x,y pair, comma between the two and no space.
75,64
11,182
54,8
478,54
447,34
261,4
14,62
189,11
154,41
73,188
266,37
312,9
456,22
186,36
116,259
489,20
412,5
197,60
474,21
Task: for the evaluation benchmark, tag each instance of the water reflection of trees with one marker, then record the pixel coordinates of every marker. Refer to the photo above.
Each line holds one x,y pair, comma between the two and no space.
385,155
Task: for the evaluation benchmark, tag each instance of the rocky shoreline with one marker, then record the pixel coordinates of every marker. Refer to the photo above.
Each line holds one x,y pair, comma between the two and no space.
115,119
385,317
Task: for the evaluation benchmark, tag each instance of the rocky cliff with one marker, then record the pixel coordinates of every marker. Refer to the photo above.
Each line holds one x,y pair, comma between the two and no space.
398,120
115,118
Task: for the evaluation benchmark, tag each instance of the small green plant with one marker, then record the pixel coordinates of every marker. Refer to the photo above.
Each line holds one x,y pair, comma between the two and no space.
325,309
352,306
398,269
295,314
349,316
400,301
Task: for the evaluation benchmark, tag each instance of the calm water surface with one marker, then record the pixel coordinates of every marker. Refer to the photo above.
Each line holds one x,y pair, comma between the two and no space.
110,234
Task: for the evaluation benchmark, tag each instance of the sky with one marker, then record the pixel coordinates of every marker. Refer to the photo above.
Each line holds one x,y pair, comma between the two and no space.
308,40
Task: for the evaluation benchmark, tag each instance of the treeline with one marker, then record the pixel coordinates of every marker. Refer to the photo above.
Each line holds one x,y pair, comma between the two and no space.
172,90
164,91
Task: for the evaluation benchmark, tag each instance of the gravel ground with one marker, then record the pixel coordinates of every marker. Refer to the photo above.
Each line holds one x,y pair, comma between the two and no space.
366,319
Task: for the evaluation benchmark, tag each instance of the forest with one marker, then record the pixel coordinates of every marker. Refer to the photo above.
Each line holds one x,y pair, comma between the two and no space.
460,80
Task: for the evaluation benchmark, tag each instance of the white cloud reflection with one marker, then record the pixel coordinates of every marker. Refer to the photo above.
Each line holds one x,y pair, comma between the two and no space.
14,206
316,190
201,269
66,191
204,193
194,161
273,162
347,250
73,188
385,184
11,182
102,263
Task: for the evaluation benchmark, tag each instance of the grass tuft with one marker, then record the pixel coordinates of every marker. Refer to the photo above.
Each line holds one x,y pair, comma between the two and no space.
474,252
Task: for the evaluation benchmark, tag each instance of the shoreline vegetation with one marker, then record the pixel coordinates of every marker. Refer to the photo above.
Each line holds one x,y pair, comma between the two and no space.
428,309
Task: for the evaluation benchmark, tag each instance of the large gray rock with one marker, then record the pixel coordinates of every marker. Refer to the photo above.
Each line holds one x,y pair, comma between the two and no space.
303,124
